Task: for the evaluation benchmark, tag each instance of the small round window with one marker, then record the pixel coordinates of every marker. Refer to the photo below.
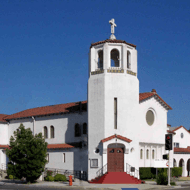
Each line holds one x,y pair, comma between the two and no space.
181,135
150,117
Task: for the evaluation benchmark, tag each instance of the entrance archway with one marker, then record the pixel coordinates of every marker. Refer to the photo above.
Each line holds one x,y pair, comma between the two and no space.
115,157
181,164
174,163
188,166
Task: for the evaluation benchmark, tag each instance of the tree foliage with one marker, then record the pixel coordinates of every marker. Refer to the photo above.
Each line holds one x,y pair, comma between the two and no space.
27,154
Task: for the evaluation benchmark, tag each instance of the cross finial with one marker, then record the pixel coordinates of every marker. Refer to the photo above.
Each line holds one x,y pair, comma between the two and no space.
113,25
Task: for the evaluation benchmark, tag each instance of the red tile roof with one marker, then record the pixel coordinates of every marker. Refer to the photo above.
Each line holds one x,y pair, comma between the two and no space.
67,108
49,110
116,136
59,146
171,132
179,128
112,41
4,146
181,150
2,116
49,146
146,95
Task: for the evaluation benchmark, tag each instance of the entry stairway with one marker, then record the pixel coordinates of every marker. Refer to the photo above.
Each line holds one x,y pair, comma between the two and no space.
131,176
116,178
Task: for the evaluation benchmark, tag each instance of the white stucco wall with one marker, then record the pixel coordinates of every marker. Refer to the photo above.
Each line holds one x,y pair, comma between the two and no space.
156,132
183,142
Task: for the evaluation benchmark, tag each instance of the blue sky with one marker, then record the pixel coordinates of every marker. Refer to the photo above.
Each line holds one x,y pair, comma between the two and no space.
44,49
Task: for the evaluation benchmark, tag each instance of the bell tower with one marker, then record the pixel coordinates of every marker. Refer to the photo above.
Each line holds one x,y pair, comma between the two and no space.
113,94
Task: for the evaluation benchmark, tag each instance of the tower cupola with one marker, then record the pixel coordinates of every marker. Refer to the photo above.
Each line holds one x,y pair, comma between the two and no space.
113,56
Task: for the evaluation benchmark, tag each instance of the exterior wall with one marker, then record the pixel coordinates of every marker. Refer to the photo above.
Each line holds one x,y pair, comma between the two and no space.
4,129
63,126
102,89
183,142
185,158
96,120
156,132
64,132
156,161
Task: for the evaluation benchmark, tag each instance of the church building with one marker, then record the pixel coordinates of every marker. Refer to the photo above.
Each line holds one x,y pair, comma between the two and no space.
117,129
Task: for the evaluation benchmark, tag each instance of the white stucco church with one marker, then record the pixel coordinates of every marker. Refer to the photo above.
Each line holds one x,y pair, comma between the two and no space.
117,129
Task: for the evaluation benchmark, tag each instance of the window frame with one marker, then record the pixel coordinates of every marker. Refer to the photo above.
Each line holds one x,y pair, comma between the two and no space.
141,153
52,136
91,163
147,154
77,130
84,131
45,133
64,157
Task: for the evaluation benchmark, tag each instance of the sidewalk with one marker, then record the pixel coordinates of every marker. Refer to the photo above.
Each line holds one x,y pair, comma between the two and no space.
85,185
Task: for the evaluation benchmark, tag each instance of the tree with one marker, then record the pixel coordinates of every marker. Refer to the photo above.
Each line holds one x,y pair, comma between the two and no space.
27,154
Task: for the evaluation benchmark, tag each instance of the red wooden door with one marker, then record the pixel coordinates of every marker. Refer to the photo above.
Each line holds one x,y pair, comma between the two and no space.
115,160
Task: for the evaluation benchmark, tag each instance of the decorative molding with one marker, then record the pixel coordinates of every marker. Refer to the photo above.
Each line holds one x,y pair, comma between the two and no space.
97,72
115,71
131,73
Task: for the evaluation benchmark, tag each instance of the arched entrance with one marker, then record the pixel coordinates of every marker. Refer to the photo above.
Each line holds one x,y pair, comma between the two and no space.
115,157
188,167
174,163
181,164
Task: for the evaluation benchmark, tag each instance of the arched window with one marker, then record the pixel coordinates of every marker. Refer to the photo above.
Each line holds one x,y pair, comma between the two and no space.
45,132
152,154
147,154
141,154
128,60
52,131
77,130
100,59
114,58
84,128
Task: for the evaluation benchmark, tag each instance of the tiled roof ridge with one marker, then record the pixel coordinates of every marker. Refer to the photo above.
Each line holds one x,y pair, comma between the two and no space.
112,41
181,150
179,128
169,131
63,108
45,112
2,118
116,136
146,95
49,146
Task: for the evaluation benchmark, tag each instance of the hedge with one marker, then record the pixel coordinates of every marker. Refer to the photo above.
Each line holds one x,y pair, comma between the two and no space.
176,171
147,173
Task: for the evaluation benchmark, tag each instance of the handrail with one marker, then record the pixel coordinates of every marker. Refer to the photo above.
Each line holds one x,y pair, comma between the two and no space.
101,171
128,171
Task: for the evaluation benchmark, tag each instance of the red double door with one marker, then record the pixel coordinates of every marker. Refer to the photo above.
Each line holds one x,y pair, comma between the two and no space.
115,159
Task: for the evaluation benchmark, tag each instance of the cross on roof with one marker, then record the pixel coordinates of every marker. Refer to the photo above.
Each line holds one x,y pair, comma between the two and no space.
113,25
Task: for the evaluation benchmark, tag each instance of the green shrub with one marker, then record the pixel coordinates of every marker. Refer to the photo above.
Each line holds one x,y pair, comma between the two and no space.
49,173
49,178
10,176
147,173
172,183
60,177
176,171
162,178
